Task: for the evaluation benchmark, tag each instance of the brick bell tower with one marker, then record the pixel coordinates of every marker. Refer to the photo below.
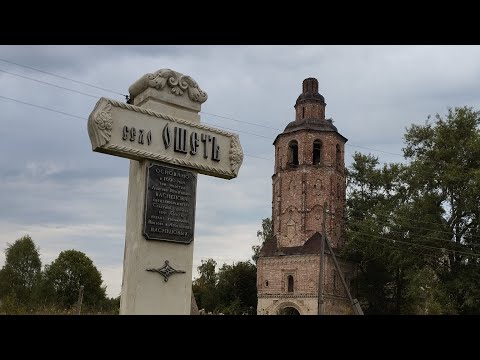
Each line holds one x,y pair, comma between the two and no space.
309,173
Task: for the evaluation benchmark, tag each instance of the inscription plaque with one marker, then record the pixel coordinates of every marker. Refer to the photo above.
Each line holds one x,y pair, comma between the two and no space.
169,204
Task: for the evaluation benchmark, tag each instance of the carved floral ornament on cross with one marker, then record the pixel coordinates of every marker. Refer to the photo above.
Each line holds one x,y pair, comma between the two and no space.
178,84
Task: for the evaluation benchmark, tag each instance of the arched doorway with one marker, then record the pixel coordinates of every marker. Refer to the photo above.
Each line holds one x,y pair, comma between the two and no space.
288,311
288,308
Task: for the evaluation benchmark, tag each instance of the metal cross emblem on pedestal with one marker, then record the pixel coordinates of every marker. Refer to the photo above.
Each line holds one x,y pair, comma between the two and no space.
166,270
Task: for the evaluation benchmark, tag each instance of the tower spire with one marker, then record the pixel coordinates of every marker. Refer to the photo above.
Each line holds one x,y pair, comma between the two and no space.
310,85
310,103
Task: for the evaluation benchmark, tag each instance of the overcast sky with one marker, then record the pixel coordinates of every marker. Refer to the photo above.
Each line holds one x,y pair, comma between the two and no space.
54,188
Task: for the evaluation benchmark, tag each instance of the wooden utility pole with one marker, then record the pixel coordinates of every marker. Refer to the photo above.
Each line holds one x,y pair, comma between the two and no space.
321,276
321,304
354,302
80,300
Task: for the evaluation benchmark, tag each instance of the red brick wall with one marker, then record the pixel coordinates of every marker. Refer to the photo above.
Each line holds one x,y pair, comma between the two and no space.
313,110
275,270
305,270
299,193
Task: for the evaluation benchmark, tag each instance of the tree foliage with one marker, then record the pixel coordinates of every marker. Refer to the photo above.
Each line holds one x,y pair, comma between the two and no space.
19,277
64,276
414,227
26,289
237,288
232,290
204,287
263,235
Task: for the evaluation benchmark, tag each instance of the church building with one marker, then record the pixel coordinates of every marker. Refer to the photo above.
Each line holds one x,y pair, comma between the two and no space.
309,176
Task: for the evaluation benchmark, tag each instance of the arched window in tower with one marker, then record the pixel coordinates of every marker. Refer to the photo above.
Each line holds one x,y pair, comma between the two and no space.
290,283
317,152
303,112
293,153
338,157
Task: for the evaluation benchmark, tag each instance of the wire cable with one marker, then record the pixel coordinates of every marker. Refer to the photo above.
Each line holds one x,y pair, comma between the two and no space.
384,214
47,83
418,245
41,107
240,121
415,227
427,238
63,77
240,131
126,96
79,117
416,254
411,251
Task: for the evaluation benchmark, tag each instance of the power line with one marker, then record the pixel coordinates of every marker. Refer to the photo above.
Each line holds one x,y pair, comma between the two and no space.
240,131
79,117
418,245
115,92
47,83
416,254
384,214
258,157
202,112
371,241
63,77
277,129
41,107
367,148
397,242
428,238
415,227
241,121
96,97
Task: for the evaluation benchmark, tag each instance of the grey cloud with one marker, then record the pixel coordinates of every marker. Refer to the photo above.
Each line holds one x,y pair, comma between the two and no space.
71,58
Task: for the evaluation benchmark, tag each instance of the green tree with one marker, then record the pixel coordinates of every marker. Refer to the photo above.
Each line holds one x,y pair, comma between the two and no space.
19,277
374,191
231,291
414,228
446,166
444,178
263,235
112,306
64,276
237,288
426,294
204,287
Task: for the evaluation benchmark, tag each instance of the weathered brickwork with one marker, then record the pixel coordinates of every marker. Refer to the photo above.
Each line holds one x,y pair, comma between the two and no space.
309,172
272,282
300,192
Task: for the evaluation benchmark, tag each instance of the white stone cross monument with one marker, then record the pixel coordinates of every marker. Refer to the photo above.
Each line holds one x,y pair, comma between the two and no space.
162,135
